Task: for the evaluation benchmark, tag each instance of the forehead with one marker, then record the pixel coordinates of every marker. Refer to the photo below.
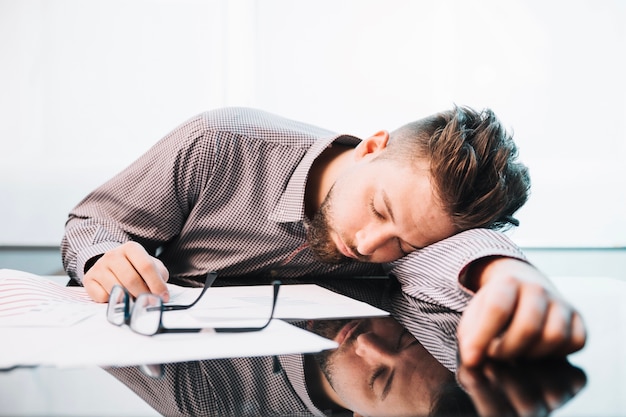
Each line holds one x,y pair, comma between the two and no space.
402,181
409,192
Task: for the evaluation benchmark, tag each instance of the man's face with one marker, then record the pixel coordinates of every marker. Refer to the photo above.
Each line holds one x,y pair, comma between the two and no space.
379,368
378,210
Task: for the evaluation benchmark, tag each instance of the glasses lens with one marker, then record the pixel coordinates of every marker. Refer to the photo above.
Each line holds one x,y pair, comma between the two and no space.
118,306
146,317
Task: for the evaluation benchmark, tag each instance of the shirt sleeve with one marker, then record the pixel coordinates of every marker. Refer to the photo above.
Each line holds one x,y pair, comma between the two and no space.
147,202
432,274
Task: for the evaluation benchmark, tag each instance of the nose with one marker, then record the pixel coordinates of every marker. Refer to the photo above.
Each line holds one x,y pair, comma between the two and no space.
370,239
373,349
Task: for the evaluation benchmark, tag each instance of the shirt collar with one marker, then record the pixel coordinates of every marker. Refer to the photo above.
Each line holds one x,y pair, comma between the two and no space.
290,207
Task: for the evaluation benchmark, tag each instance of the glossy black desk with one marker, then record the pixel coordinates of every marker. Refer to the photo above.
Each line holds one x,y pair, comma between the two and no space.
602,302
589,383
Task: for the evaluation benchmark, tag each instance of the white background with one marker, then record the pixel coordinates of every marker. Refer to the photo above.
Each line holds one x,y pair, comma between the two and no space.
86,86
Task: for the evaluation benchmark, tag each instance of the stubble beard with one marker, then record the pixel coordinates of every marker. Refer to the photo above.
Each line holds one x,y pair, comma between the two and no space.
318,234
329,330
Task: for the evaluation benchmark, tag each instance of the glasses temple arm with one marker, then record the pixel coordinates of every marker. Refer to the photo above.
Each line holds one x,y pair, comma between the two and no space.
276,285
210,279
276,288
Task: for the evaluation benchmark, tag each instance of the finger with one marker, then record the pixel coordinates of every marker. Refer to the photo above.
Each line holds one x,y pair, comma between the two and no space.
563,333
129,278
484,319
165,274
527,325
95,290
556,334
579,334
148,269
117,265
114,268
99,280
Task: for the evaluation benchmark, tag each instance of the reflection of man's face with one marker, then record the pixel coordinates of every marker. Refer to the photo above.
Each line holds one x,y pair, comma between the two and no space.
379,368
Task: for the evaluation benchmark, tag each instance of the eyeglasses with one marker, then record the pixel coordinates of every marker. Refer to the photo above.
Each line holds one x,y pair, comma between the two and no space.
145,314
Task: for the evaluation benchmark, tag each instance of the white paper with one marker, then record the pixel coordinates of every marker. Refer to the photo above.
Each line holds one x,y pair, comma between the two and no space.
46,324
94,341
31,300
296,301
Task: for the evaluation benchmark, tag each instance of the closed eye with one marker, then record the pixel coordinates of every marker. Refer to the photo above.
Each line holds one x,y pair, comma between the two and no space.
377,374
375,212
386,376
380,373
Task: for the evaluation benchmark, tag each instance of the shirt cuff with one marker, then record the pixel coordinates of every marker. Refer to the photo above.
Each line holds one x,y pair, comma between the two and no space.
432,274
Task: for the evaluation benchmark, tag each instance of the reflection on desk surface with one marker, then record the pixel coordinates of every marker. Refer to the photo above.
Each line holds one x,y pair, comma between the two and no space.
374,371
379,369
588,383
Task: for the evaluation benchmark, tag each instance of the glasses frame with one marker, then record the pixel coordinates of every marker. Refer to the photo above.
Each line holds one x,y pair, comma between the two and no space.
128,309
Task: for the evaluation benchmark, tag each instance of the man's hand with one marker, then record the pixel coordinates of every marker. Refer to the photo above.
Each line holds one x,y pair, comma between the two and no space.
516,313
130,266
522,389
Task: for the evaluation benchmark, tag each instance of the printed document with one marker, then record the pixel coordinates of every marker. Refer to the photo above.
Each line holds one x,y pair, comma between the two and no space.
47,324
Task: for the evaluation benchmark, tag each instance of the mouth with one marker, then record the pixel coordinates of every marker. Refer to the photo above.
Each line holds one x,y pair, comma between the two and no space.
346,331
344,249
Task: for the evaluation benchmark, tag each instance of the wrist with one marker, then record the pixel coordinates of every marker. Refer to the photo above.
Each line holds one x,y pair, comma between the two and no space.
475,275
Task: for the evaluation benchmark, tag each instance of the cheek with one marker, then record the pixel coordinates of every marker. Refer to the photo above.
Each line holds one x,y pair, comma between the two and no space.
349,209
338,209
347,381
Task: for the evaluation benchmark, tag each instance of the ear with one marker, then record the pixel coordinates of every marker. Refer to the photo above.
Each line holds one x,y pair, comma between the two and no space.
372,145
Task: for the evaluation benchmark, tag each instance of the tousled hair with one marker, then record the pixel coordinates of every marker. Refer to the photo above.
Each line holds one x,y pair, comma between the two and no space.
473,165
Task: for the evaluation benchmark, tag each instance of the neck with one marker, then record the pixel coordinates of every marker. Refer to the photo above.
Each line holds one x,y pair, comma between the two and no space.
324,172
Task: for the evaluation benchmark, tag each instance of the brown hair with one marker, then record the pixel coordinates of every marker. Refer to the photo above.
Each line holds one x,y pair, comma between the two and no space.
473,164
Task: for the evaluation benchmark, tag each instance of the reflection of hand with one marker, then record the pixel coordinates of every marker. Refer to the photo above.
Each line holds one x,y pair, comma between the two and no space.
521,389
516,313
130,266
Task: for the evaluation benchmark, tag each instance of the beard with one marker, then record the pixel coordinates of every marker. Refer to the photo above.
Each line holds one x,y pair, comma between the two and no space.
329,329
318,234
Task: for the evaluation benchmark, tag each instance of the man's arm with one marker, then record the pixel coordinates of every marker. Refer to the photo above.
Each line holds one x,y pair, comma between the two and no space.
112,235
509,308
